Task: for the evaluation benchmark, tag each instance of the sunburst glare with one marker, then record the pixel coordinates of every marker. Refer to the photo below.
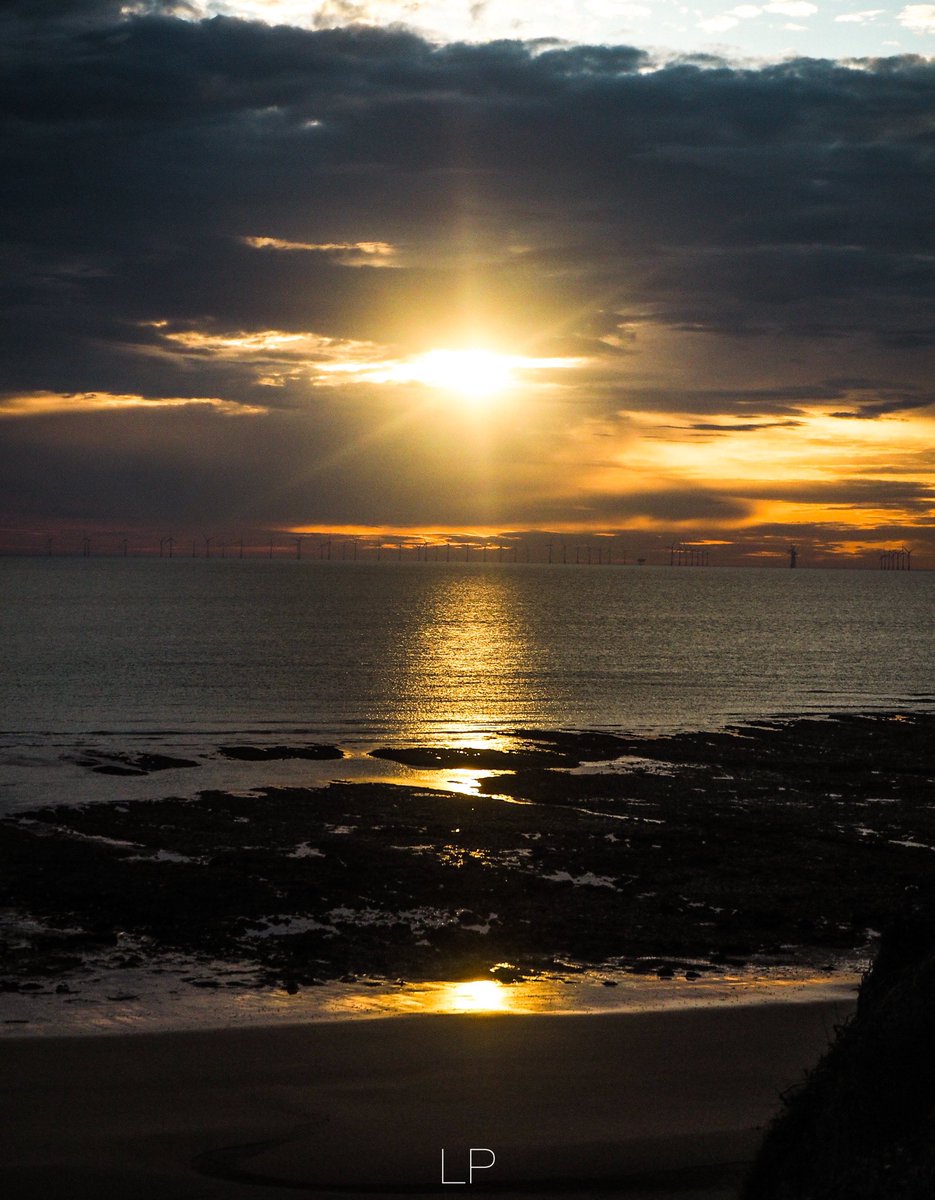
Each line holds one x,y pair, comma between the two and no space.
474,373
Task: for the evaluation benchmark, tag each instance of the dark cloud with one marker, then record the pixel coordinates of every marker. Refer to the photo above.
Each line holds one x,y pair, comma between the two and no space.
352,460
673,505
564,199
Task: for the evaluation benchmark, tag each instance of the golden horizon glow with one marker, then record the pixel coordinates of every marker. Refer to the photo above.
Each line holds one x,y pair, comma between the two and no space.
816,446
798,471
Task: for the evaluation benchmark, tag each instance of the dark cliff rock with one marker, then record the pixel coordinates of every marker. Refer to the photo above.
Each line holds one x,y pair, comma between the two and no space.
862,1127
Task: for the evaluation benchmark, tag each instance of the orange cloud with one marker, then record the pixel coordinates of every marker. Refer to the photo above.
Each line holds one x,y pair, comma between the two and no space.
32,404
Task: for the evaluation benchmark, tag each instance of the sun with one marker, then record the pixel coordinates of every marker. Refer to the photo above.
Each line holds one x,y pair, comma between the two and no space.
472,373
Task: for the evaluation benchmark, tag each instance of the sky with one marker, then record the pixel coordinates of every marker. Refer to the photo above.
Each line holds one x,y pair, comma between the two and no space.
469,270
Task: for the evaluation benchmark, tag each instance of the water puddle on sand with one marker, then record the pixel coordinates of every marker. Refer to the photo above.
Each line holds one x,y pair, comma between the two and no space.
181,994
591,992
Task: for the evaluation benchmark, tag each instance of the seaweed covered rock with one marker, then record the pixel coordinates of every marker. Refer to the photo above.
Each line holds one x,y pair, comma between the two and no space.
862,1126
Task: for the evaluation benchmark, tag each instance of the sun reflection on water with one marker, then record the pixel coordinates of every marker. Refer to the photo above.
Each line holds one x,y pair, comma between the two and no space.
466,659
160,1008
477,995
464,780
585,992
441,997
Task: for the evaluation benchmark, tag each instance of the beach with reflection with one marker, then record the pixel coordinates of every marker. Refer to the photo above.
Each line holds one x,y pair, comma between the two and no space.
160,1002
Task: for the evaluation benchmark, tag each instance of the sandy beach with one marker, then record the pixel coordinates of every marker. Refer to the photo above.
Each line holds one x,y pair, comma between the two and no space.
698,863
639,1104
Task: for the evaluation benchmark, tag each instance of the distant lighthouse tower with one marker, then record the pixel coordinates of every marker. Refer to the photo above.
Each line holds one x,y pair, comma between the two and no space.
793,556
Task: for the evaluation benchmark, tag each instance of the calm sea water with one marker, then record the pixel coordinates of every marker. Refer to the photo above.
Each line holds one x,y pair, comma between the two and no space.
181,653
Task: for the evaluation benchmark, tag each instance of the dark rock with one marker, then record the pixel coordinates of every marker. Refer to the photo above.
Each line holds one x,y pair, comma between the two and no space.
162,762
272,753
441,757
134,764
861,1125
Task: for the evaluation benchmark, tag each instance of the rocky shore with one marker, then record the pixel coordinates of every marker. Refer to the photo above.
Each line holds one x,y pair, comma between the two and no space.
789,842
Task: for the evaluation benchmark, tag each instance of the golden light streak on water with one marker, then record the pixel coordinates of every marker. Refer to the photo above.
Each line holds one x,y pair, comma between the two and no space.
468,654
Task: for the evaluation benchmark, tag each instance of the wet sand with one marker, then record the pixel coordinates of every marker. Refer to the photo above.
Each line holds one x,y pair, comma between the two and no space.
663,1104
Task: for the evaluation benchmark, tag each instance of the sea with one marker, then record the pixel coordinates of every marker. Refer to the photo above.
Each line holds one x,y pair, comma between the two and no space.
104,660
177,656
